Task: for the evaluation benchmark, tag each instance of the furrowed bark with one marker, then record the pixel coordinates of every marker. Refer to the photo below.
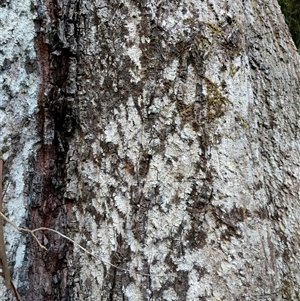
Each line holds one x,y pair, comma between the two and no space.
166,144
49,208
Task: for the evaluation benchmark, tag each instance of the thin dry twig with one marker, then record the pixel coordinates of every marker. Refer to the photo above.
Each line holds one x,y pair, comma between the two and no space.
3,260
3,257
23,230
32,232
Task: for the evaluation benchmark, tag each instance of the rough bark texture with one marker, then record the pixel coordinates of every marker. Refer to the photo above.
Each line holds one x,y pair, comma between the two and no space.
19,81
162,136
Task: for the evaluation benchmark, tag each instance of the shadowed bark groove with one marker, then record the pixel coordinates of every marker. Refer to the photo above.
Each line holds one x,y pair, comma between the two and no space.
48,206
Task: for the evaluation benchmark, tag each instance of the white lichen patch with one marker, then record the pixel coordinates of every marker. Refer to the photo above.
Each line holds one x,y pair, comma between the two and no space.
111,133
122,203
201,195
133,293
135,53
170,72
198,287
18,103
170,295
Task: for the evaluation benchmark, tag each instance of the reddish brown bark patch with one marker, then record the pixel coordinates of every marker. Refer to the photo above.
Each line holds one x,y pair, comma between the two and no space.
47,269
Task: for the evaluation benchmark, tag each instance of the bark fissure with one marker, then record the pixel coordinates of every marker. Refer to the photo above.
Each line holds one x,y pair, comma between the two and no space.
168,147
48,207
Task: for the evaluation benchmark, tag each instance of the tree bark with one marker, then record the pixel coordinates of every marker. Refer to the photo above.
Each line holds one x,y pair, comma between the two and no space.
163,137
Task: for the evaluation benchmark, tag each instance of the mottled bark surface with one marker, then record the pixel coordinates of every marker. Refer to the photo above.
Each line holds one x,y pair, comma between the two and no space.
164,138
19,81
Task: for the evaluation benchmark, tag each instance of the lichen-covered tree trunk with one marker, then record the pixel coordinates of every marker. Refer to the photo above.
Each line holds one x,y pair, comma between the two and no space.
161,136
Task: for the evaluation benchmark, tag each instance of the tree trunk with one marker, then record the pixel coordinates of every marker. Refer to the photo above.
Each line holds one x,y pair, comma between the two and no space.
161,136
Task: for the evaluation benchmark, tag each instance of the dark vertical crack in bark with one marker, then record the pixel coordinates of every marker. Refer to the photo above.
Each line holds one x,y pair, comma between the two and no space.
48,208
